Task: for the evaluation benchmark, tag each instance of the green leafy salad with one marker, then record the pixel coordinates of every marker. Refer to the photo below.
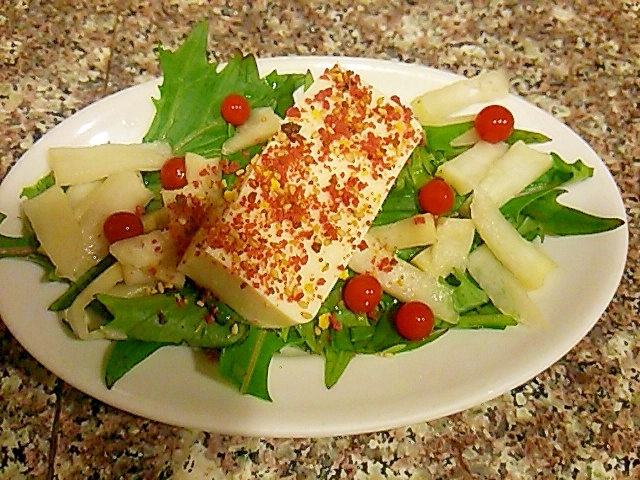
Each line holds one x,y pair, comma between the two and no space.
475,231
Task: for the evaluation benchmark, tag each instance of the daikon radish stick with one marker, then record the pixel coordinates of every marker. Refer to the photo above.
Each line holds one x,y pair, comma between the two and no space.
123,191
509,174
262,124
525,260
204,180
454,237
468,168
415,231
58,231
403,280
72,165
434,106
502,287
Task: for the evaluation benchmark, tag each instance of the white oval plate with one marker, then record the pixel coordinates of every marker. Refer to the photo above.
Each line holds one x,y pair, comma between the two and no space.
460,370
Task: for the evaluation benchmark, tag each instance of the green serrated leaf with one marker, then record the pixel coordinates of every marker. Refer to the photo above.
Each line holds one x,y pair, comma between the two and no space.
124,355
40,186
560,173
557,219
246,364
439,138
169,318
467,295
335,363
188,110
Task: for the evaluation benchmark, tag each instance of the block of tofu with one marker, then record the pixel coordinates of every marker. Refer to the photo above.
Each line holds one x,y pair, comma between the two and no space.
306,202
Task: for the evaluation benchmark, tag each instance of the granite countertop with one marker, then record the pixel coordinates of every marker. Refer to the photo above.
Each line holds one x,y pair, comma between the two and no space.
580,61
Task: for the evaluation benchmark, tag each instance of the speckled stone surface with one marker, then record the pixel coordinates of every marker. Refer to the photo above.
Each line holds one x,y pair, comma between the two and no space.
580,61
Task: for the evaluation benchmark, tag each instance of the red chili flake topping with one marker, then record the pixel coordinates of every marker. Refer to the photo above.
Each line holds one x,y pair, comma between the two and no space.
419,220
334,322
229,167
386,264
293,112
186,214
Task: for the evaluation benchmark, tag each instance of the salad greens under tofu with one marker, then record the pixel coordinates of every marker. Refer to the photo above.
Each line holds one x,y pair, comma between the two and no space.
460,220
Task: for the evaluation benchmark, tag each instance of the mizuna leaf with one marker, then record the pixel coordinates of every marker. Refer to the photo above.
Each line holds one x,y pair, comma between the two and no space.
124,355
246,364
188,111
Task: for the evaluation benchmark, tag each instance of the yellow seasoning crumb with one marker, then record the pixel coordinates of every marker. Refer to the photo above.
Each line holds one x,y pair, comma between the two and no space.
230,195
343,275
323,321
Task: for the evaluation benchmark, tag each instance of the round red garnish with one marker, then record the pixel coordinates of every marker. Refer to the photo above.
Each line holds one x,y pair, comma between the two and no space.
173,174
362,293
436,196
414,321
494,123
121,225
235,109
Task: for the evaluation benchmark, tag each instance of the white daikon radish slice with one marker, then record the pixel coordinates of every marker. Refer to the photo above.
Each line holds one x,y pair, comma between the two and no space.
155,220
454,237
502,287
123,290
72,165
415,231
120,192
262,124
204,180
403,280
154,254
525,260
467,169
143,251
435,105
470,137
78,193
509,174
76,316
58,231
136,277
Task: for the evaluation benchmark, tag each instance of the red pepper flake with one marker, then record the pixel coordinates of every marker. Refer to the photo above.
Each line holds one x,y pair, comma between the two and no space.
386,264
334,322
229,167
293,112
419,220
